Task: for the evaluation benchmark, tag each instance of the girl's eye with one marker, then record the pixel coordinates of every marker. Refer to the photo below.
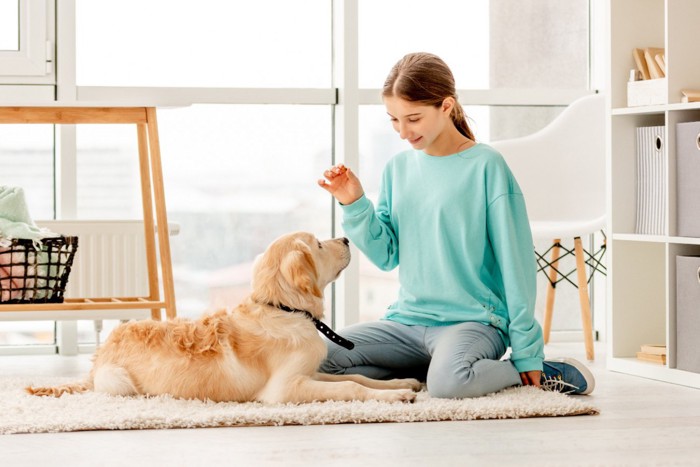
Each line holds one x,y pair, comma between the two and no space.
414,120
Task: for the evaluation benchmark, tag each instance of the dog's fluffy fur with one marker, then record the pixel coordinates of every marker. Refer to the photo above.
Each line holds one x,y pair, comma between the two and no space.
254,352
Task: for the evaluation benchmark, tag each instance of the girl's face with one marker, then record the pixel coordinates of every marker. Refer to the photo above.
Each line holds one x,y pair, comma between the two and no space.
421,125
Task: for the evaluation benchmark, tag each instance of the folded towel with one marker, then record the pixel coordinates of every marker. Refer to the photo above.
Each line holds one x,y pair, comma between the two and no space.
15,221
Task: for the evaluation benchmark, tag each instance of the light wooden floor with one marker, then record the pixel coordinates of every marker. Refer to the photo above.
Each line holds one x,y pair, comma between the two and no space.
643,422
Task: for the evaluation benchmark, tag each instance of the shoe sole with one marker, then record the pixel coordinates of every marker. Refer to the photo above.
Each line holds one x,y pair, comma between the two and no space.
587,375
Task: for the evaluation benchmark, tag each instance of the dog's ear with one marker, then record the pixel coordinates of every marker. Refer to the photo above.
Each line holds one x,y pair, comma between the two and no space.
299,270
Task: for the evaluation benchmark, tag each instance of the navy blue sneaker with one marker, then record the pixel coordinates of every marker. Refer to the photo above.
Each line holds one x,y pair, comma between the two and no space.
568,376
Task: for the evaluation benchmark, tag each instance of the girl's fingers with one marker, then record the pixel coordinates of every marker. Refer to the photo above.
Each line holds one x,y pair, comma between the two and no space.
339,169
324,184
351,174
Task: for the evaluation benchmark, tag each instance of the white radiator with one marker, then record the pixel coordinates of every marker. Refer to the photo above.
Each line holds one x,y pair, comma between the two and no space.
110,262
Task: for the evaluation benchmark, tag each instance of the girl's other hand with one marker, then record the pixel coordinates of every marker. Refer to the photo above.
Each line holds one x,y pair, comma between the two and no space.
531,378
342,183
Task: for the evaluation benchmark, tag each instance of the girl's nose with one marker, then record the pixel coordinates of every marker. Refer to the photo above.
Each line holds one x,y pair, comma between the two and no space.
403,133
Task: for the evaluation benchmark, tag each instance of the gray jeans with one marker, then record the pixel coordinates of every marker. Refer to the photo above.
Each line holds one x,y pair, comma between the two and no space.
462,360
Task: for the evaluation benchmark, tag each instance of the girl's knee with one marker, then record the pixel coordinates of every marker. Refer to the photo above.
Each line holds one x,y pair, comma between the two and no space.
335,363
455,388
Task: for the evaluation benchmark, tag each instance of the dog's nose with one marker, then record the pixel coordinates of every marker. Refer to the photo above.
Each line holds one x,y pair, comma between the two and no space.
346,241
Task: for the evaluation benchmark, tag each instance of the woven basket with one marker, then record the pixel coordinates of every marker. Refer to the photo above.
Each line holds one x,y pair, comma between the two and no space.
28,275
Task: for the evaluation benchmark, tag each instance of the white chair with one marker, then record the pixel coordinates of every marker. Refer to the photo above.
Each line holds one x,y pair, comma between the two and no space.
561,171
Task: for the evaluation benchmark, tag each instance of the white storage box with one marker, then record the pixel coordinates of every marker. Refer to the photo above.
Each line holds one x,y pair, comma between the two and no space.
647,92
688,179
687,313
651,181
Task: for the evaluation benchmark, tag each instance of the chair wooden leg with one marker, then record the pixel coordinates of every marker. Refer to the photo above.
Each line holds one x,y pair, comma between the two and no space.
551,290
161,214
583,298
148,216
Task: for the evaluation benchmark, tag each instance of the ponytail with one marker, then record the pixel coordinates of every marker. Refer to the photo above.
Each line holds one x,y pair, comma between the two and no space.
459,118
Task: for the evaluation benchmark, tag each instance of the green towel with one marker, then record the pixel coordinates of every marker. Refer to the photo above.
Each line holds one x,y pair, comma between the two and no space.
15,221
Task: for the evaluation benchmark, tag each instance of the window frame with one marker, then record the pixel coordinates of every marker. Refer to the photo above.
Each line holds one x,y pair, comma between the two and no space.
33,62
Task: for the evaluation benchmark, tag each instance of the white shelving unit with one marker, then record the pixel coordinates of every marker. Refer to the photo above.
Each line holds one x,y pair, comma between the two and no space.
642,288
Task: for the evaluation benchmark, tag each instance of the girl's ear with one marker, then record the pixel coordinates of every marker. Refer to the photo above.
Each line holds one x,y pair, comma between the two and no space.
448,104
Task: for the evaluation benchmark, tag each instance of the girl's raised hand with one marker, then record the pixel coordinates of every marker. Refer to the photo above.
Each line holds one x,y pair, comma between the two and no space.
342,183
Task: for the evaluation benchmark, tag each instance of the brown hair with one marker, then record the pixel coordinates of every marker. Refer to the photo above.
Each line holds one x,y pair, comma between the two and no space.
426,79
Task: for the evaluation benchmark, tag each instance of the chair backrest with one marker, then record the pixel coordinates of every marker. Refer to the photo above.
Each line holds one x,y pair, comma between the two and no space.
561,168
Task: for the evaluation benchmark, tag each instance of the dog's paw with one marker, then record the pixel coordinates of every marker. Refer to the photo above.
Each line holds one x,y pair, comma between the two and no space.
407,383
399,395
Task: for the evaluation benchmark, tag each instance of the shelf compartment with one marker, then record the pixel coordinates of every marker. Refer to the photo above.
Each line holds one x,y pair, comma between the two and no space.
638,273
647,30
623,168
655,371
674,250
640,238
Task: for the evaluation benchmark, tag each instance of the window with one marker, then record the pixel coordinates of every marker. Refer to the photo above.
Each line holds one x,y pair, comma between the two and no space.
24,38
213,43
241,170
456,31
9,25
232,184
26,158
109,184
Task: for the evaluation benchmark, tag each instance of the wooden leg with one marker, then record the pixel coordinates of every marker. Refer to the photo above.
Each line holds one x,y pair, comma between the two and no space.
161,215
148,222
551,290
583,298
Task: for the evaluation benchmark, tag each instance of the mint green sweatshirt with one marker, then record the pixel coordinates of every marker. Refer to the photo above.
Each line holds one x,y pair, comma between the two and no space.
458,227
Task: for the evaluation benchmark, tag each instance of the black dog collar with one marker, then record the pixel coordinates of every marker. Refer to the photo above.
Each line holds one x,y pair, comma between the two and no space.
321,326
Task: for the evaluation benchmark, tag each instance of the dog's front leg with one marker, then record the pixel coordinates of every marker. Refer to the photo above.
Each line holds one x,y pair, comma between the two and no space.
305,389
398,383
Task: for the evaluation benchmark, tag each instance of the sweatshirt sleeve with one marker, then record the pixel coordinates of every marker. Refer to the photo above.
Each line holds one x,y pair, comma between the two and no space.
511,238
371,230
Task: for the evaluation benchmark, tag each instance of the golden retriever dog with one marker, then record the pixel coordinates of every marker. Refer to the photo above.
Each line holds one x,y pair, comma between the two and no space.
266,349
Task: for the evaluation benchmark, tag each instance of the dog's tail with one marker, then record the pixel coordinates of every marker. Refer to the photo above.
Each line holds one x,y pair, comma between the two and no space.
58,391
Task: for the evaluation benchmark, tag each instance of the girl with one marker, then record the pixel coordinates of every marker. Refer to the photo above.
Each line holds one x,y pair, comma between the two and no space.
451,214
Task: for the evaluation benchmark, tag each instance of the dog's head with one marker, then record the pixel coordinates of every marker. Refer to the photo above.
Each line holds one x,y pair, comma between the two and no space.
295,269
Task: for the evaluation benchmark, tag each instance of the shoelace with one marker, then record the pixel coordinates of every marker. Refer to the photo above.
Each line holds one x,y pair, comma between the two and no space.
558,385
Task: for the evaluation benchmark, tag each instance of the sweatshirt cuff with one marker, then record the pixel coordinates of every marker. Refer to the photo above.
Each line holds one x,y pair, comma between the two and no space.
528,364
360,205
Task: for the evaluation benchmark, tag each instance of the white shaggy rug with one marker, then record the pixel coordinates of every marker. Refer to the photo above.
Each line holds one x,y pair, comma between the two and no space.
22,413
